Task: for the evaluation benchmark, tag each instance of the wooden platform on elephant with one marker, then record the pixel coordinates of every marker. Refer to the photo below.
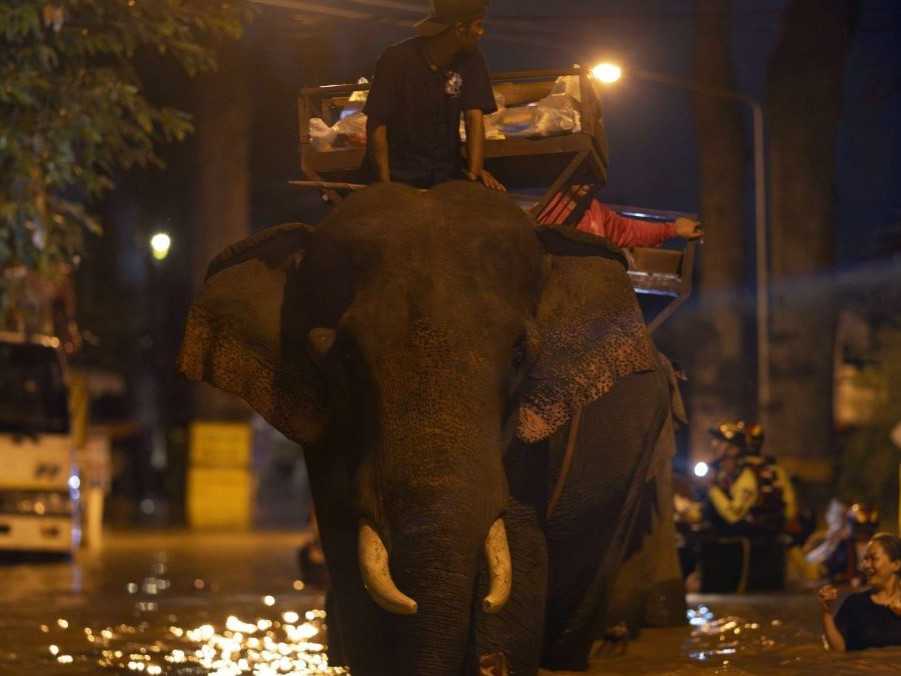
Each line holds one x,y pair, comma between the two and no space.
535,169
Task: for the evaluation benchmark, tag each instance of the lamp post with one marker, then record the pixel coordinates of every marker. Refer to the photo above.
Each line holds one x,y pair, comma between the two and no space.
609,73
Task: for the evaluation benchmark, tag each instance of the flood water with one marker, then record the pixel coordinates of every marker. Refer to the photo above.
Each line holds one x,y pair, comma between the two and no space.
233,604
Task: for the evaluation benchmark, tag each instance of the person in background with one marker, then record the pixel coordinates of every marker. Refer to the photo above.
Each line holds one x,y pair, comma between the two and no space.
869,618
808,562
421,87
843,564
599,219
761,497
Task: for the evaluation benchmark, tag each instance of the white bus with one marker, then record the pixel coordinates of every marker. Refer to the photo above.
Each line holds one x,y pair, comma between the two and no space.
39,485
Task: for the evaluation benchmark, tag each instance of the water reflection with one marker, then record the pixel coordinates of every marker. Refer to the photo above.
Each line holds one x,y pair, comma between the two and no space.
213,605
177,624
281,644
771,635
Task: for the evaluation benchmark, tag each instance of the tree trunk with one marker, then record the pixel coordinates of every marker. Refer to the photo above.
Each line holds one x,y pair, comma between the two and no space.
720,374
223,116
804,96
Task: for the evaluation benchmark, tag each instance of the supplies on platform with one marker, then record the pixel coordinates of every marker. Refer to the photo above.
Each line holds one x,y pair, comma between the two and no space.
492,131
555,114
551,116
569,85
355,102
322,135
360,95
349,131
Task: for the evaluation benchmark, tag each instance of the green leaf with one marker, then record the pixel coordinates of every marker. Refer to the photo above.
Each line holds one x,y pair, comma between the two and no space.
74,112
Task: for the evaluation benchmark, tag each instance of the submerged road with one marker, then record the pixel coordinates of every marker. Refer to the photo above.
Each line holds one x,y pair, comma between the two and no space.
227,604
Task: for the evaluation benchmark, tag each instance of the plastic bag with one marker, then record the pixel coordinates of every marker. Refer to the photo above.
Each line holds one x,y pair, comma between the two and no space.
492,130
322,135
356,101
351,130
360,95
569,85
553,115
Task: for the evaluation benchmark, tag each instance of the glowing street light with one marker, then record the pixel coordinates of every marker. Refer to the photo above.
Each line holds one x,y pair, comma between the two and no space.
701,469
608,73
160,244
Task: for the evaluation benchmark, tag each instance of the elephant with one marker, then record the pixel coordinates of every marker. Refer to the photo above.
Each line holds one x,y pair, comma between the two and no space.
479,401
648,590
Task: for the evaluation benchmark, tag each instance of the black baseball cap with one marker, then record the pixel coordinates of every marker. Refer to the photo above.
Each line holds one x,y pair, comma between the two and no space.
446,13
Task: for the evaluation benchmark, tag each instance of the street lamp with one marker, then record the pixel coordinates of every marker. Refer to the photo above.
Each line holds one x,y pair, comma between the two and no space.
159,245
604,72
608,73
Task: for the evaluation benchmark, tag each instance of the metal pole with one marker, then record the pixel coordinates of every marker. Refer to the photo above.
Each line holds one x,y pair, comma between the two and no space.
763,289
762,306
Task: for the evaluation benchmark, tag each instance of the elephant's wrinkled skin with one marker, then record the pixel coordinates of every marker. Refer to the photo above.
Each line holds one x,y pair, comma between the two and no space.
428,351
648,590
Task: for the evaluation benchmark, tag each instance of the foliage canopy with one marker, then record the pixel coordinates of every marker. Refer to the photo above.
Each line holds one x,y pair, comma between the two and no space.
73,112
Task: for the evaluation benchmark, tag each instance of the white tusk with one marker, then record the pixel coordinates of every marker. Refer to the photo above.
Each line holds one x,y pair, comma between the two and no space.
377,576
500,570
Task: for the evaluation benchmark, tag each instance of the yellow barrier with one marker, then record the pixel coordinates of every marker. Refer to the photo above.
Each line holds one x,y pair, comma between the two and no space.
220,498
221,483
220,444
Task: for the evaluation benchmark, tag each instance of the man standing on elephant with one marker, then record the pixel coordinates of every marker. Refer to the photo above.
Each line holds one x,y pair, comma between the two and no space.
421,87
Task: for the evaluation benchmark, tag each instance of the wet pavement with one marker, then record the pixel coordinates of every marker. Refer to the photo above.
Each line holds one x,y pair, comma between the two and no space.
229,604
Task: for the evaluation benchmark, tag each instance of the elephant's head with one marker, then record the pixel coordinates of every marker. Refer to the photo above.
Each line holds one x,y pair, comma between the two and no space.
406,342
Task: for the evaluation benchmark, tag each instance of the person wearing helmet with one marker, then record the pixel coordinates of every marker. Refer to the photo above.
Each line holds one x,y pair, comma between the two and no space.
761,496
421,87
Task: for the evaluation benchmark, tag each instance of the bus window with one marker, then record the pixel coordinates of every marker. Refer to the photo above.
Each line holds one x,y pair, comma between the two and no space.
33,398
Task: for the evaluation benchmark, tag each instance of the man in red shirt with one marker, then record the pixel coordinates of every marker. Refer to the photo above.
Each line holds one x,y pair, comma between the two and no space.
622,231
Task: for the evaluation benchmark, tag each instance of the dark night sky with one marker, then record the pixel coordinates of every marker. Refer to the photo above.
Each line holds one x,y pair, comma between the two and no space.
651,129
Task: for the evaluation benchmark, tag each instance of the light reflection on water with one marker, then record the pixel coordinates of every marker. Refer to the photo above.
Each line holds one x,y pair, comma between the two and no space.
284,644
759,642
140,613
216,634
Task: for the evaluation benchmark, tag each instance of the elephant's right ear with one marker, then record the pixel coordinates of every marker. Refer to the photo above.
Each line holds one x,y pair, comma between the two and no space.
233,337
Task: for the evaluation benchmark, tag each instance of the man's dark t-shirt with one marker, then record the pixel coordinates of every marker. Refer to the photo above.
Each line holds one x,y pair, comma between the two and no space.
865,624
420,105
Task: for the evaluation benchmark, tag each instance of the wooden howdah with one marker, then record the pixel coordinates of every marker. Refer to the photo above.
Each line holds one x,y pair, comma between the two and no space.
533,169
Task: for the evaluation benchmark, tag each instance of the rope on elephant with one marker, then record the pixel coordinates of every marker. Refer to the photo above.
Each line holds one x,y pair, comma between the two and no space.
567,461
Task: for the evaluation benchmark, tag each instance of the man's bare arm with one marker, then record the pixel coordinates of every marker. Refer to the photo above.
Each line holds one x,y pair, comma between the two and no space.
378,150
475,150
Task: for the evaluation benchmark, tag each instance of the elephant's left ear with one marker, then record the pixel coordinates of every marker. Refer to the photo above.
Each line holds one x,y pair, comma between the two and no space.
233,338
592,332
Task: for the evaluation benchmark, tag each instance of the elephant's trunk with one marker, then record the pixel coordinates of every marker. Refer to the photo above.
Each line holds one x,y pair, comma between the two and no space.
377,575
381,587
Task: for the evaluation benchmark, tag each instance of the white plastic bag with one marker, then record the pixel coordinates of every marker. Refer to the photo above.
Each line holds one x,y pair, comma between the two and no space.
351,130
569,85
322,135
553,115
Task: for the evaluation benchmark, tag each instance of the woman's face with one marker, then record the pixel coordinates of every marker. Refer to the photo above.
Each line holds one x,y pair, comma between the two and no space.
877,566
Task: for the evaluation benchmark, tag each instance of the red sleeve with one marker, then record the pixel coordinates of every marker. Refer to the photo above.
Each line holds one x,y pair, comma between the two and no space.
623,231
